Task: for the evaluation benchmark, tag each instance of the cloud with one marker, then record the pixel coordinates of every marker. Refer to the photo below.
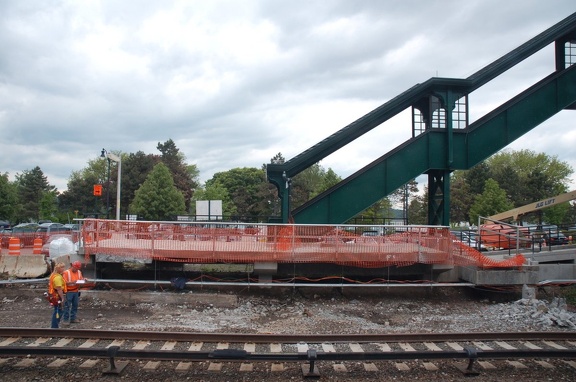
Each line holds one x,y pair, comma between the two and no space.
234,83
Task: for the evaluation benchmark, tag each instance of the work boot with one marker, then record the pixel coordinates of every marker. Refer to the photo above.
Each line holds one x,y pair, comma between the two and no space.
75,321
65,323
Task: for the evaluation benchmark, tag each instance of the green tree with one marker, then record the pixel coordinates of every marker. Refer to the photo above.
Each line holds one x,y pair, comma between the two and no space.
525,177
49,206
401,197
243,186
31,187
306,185
418,209
135,169
182,173
477,176
461,197
79,196
8,199
158,198
528,176
491,201
329,180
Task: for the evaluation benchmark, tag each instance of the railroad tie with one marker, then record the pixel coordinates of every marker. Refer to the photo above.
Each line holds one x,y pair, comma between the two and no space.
58,363
151,365
328,348
544,364
430,366
27,362
402,366
89,363
183,366
88,343
277,367
340,368
370,367
247,367
517,364
486,365
39,341
432,346
215,366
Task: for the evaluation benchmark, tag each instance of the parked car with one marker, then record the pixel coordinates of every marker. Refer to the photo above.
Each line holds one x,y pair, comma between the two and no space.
556,238
469,239
73,227
45,230
26,232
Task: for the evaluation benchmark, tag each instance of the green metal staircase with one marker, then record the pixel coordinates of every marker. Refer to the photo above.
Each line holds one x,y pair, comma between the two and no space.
442,139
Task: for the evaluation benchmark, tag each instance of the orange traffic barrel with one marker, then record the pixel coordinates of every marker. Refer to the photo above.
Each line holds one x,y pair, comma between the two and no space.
37,246
14,246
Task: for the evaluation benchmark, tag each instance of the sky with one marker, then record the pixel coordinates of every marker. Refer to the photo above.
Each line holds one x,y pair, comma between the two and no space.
233,83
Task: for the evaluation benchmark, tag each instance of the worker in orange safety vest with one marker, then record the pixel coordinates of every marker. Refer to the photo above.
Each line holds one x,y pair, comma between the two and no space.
73,277
57,292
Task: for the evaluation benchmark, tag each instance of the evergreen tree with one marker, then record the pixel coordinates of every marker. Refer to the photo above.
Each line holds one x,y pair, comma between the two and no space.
31,187
158,198
182,173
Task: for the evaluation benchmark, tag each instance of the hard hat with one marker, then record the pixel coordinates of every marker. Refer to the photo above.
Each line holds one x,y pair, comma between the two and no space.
77,264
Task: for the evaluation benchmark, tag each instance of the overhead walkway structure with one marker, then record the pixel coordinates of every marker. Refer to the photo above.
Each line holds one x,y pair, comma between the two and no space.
442,138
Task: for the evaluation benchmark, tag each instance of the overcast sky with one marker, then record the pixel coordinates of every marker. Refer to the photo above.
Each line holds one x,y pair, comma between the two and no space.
234,82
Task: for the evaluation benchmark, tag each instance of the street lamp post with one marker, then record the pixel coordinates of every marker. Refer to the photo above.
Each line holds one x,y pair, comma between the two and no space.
118,159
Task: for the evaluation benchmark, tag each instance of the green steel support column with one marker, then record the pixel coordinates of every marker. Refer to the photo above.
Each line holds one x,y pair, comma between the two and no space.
283,185
445,220
439,197
285,199
439,179
435,196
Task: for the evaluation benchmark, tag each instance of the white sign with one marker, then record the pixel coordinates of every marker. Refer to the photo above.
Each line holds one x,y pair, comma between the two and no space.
208,210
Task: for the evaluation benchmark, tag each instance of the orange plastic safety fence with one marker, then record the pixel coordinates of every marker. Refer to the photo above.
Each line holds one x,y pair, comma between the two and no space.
243,243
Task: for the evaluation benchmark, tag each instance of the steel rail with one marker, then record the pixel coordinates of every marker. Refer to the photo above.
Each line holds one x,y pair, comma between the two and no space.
284,338
241,355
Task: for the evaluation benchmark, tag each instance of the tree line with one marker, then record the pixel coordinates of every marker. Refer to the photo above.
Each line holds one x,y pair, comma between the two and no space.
162,186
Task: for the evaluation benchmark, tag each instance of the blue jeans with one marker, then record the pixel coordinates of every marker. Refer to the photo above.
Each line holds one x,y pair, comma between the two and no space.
71,306
56,316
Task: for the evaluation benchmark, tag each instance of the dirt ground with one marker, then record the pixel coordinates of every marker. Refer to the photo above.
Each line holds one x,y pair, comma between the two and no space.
288,310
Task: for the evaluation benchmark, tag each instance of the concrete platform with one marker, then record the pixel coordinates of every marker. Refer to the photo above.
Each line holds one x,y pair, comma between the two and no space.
557,263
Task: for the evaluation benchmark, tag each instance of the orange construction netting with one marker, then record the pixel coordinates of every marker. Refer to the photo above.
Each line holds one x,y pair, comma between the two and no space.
204,242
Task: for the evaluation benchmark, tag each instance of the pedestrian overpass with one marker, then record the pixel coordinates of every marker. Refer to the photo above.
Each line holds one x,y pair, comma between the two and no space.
442,139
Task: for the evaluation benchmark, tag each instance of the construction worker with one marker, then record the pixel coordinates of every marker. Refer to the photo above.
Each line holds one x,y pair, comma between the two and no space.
57,290
73,278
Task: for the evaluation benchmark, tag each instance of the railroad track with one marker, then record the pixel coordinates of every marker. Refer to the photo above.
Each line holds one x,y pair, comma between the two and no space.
27,347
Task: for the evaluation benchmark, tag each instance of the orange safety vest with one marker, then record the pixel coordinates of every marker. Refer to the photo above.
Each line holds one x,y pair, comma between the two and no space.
72,277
